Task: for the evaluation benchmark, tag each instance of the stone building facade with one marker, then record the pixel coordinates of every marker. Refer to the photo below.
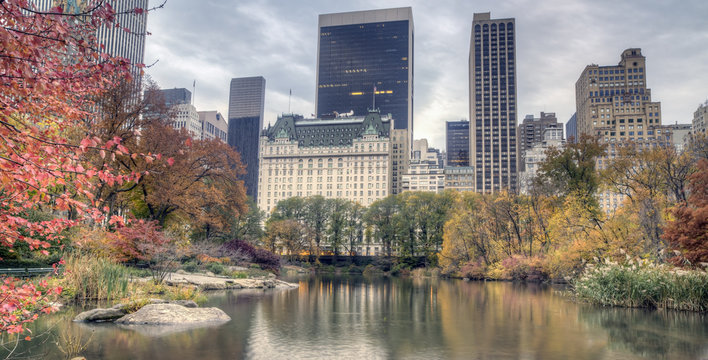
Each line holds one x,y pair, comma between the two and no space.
335,157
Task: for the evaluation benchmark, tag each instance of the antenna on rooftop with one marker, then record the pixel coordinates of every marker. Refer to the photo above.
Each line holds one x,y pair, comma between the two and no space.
373,105
289,96
194,90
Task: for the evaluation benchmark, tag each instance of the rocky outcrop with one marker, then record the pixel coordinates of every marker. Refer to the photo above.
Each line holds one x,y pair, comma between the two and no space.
173,314
101,315
205,282
118,311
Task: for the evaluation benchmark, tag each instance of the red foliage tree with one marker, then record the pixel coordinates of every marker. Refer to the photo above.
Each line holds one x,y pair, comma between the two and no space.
688,233
51,67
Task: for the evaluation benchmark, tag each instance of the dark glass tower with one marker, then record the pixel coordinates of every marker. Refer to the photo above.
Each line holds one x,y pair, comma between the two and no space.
492,83
365,55
246,103
458,143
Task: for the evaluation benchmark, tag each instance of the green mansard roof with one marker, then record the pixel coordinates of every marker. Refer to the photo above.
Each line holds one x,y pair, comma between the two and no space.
335,131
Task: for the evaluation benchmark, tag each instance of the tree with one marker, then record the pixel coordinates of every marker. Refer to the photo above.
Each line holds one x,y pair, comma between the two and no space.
339,211
688,232
382,216
247,226
355,226
571,170
50,70
198,183
317,212
285,234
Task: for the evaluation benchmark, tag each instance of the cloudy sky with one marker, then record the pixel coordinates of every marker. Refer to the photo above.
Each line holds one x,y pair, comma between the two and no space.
212,41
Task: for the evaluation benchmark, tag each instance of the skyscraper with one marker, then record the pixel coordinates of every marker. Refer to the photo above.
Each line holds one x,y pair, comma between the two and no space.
614,103
571,129
246,102
492,82
127,40
531,132
365,57
458,143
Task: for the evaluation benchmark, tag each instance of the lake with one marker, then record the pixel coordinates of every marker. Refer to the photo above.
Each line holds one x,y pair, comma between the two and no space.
353,317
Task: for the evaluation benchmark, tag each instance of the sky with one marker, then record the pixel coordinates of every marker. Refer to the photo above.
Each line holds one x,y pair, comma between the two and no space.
212,41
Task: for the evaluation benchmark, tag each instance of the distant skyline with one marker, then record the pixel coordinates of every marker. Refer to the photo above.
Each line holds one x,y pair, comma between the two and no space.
213,41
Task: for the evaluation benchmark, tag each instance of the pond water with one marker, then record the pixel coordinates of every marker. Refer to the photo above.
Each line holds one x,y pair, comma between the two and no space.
394,318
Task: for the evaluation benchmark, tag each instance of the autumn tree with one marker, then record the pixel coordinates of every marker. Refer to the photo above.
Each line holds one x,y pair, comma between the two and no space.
50,70
285,235
198,183
688,232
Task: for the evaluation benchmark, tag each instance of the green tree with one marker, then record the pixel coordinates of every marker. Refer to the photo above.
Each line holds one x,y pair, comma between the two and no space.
571,170
382,216
338,213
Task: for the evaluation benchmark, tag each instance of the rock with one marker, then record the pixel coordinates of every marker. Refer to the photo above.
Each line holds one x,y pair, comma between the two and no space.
181,272
118,306
100,315
209,273
185,303
173,314
157,301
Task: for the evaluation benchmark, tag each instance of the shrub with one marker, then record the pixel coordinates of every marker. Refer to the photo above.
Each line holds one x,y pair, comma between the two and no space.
190,266
640,284
266,259
239,275
353,269
372,270
215,267
474,270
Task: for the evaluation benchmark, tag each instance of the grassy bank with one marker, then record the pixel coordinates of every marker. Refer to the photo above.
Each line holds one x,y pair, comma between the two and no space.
637,284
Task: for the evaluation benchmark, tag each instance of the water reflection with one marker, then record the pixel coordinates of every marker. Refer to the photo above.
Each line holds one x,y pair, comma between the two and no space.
360,318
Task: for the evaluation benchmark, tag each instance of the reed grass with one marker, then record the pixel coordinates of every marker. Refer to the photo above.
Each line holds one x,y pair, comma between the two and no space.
641,284
94,278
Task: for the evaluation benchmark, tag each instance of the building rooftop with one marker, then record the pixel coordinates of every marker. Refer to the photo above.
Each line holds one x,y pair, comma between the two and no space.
339,131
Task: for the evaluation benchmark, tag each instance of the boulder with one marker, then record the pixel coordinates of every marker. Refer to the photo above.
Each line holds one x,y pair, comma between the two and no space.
173,314
100,315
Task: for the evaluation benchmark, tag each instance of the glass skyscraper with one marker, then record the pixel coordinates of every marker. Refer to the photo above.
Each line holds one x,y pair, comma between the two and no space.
246,103
492,64
366,57
457,134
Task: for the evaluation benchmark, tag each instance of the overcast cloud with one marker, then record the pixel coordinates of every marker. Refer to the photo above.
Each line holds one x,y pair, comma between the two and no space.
212,41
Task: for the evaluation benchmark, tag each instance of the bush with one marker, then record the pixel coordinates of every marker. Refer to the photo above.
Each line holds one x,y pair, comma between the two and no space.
215,267
372,270
640,284
474,270
190,266
266,259
353,269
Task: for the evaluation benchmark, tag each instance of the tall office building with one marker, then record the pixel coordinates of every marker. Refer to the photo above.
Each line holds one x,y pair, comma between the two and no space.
492,82
126,40
365,57
531,132
179,100
457,134
214,126
246,103
614,104
700,119
571,129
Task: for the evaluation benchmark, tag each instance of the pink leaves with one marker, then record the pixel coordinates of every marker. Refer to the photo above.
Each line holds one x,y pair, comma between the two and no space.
170,161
